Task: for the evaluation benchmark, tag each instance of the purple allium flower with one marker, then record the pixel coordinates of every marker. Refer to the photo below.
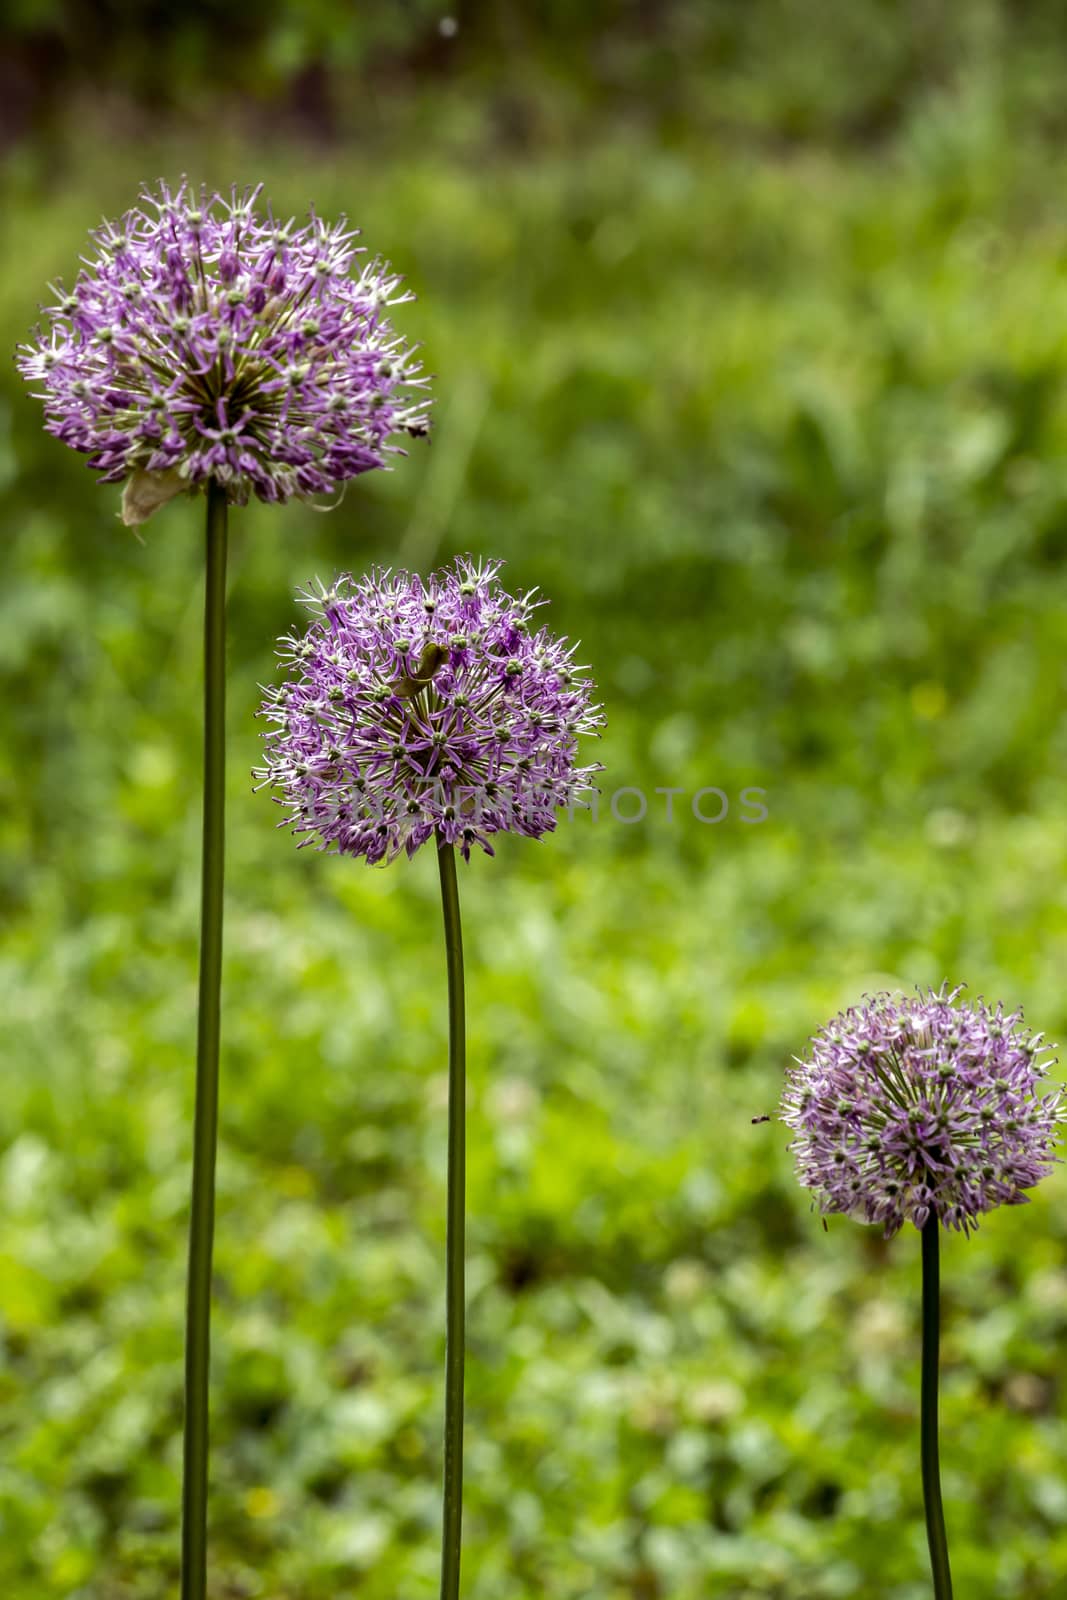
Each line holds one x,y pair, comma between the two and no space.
417,707
908,1106
205,340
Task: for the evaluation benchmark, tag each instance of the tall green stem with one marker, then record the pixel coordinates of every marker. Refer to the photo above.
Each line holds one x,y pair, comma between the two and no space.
205,1127
931,1469
455,1290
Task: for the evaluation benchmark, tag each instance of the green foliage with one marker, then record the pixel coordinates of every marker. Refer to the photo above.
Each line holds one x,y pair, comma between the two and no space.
532,70
782,433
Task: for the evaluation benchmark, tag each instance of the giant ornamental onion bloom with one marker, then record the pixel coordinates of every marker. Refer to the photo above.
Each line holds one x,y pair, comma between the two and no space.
430,709
930,1110
206,345
207,341
418,708
908,1107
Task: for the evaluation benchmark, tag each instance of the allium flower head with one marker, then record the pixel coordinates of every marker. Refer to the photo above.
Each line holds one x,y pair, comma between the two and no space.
204,339
414,707
907,1106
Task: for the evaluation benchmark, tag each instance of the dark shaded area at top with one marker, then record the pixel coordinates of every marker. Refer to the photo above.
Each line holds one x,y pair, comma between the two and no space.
319,66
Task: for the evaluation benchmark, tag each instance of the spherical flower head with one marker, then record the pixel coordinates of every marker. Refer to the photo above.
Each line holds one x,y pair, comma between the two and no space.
912,1106
414,708
206,340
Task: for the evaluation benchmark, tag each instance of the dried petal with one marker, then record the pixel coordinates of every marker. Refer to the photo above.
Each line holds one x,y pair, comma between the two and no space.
145,492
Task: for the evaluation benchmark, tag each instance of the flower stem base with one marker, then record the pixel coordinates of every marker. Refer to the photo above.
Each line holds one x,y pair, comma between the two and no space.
455,1246
931,1467
205,1123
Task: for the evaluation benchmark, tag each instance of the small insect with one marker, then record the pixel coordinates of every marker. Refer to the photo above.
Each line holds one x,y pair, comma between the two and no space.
431,661
759,1119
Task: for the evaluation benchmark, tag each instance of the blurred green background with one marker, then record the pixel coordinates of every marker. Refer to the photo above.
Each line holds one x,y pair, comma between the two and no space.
749,326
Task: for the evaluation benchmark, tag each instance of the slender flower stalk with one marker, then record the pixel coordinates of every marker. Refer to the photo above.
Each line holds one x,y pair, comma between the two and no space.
928,1424
930,1111
208,346
455,1247
206,1115
429,709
